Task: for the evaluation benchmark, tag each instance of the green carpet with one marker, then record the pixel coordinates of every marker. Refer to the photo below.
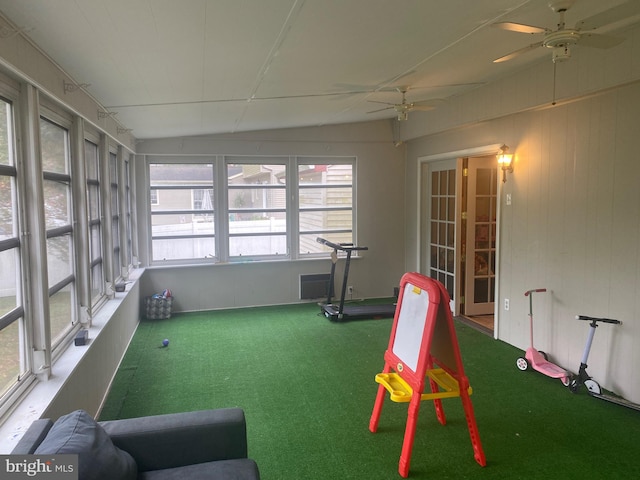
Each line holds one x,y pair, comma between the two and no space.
307,388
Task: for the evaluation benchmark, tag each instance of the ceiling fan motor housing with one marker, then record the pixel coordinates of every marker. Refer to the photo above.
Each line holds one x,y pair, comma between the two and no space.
561,38
561,5
561,54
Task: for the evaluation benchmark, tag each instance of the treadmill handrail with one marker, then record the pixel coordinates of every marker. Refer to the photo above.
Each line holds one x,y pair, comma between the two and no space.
345,247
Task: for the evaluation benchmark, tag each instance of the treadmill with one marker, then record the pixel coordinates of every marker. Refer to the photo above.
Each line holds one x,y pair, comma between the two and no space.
342,312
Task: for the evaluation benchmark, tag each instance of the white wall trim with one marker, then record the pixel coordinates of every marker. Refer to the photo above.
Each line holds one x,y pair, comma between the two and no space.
466,152
483,150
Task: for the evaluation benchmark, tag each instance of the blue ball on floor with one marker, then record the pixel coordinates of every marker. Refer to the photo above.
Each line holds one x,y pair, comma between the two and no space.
165,342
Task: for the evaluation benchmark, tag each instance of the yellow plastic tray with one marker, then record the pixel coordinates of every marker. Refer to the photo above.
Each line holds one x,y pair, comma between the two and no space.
400,391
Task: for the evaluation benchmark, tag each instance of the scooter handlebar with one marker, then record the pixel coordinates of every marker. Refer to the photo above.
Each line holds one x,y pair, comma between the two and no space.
596,319
526,294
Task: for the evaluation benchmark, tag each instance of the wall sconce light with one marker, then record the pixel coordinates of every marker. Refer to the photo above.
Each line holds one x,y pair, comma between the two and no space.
505,161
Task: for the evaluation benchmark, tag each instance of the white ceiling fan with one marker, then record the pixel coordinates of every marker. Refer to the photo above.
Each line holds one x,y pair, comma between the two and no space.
403,108
563,38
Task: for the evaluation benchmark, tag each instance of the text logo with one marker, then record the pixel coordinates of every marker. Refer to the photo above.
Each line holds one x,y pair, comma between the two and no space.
50,467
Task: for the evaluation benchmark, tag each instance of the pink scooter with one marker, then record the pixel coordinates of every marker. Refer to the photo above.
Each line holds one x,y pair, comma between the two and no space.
537,359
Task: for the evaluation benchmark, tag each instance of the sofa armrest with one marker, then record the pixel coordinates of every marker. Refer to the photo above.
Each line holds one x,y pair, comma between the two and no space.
33,437
179,439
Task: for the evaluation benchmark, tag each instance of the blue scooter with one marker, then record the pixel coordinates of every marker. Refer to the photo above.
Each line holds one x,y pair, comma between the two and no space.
583,378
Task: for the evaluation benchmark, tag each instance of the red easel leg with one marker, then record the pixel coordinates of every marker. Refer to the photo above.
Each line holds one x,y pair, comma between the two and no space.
437,403
478,452
377,409
377,406
409,434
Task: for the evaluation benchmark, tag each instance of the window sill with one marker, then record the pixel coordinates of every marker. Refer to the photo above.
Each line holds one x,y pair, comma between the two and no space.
36,400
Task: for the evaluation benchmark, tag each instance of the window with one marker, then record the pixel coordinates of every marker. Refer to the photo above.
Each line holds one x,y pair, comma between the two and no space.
128,221
94,210
325,197
257,199
115,216
12,359
182,220
59,225
51,224
259,207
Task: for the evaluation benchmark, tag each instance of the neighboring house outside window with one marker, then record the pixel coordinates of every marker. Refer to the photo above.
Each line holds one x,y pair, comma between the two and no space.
237,207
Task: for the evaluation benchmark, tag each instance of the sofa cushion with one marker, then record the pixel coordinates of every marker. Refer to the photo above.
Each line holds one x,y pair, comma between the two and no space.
98,458
237,469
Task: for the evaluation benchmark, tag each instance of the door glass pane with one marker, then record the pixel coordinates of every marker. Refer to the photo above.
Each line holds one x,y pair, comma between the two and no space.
483,181
483,239
483,209
482,263
442,237
443,183
481,290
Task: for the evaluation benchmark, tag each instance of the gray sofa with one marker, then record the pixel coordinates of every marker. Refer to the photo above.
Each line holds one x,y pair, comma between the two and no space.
207,444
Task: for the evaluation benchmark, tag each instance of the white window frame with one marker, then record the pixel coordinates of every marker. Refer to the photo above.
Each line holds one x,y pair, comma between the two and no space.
258,191
222,208
183,213
59,342
336,235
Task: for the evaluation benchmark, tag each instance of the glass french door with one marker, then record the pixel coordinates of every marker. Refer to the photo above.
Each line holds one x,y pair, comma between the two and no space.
481,217
439,232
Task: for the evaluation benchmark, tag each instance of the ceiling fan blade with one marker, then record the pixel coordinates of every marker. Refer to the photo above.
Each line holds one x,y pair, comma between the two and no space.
377,101
427,104
380,110
446,85
599,41
612,15
517,53
519,27
423,108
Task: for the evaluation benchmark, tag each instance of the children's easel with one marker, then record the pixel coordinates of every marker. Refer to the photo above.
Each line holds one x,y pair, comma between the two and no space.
423,346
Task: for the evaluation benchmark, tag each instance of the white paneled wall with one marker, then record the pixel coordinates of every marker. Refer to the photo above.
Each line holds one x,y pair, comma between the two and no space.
574,223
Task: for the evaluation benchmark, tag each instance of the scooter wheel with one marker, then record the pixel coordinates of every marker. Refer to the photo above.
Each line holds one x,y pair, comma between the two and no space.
566,381
522,364
593,386
544,355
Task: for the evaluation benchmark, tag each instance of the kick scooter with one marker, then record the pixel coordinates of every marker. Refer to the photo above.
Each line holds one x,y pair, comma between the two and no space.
583,377
536,359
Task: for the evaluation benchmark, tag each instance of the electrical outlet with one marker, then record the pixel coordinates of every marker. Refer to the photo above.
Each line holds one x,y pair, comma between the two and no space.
350,289
506,304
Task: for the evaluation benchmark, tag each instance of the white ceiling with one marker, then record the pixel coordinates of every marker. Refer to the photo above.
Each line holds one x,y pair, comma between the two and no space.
191,67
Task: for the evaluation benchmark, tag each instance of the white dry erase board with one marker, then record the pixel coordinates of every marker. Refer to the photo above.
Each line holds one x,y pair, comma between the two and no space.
411,323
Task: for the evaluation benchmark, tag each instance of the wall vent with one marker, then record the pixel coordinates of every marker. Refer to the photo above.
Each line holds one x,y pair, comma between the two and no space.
314,286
